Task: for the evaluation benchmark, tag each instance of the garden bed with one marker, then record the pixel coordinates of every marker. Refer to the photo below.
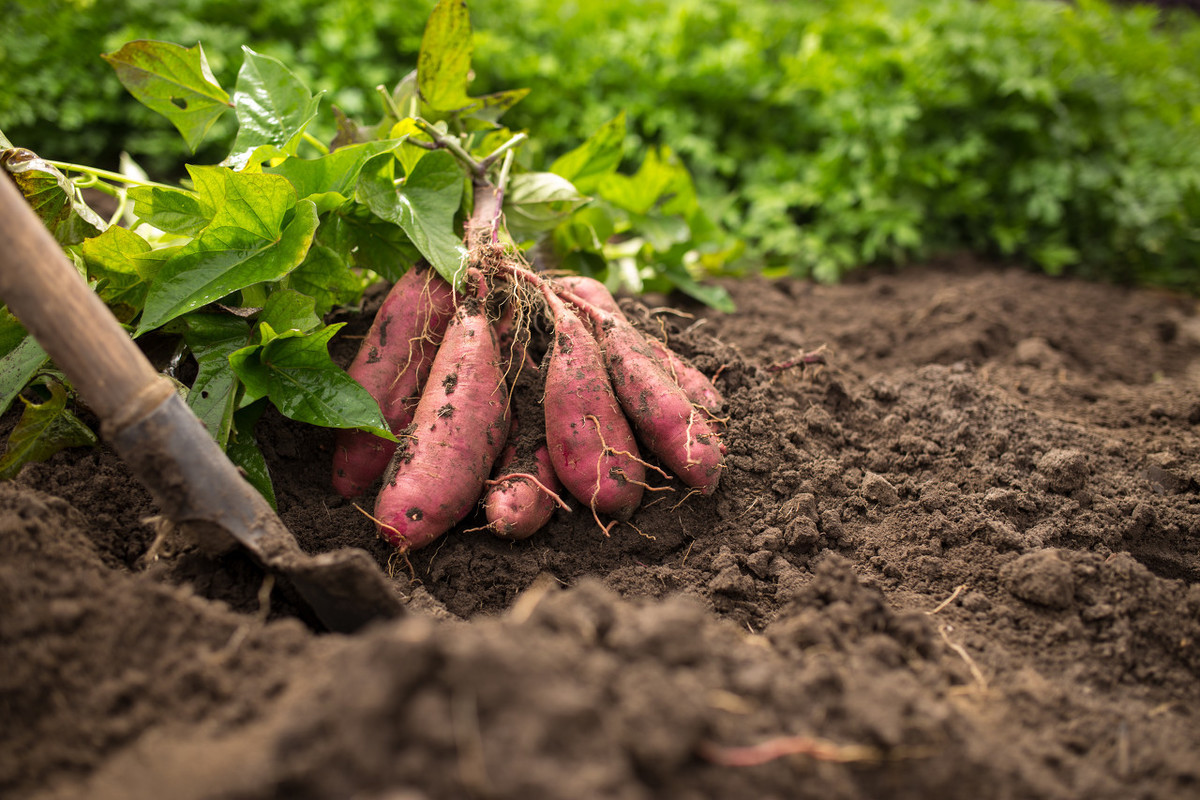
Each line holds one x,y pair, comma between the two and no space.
960,559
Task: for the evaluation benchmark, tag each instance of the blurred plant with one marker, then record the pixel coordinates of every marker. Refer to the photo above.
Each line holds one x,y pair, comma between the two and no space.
826,135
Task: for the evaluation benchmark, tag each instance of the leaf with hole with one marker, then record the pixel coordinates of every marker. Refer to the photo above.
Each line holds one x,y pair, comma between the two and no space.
175,81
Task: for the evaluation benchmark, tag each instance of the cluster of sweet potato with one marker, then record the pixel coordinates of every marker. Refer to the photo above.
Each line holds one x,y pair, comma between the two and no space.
443,365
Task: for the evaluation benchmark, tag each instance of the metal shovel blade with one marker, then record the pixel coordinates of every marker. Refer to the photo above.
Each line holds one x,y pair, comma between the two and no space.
197,487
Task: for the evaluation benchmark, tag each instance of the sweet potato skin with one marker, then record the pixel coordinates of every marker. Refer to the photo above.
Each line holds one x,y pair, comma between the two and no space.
391,364
459,428
695,384
591,446
680,435
516,507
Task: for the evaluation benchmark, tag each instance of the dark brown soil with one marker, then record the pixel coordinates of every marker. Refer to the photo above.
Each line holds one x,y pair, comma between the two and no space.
960,560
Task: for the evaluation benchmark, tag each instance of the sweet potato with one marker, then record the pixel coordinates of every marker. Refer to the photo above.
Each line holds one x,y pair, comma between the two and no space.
680,435
592,448
524,491
391,364
459,428
695,384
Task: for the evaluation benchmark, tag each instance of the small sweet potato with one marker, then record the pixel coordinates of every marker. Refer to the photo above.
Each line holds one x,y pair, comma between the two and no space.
518,501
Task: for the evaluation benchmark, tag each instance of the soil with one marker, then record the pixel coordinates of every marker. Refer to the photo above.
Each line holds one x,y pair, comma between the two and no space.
960,559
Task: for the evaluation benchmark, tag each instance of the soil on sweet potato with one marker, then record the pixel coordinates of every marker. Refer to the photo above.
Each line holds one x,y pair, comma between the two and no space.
958,560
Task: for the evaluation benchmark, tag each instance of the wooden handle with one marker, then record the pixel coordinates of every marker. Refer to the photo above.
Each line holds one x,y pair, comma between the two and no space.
50,298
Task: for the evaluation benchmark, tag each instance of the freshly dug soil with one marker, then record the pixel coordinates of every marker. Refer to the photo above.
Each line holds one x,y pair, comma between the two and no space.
958,560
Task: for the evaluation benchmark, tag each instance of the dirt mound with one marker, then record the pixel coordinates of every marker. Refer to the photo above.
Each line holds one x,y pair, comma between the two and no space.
961,558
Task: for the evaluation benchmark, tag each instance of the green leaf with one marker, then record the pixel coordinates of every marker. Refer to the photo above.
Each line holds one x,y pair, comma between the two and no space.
117,260
638,194
600,155
715,296
174,81
18,366
5,144
589,229
408,153
376,244
273,108
661,231
246,243
212,338
54,199
424,207
289,310
171,210
43,430
444,62
335,173
295,371
243,450
538,201
325,275
12,333
490,107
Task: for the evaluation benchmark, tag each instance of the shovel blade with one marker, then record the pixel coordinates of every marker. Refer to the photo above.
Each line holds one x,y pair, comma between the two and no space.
198,488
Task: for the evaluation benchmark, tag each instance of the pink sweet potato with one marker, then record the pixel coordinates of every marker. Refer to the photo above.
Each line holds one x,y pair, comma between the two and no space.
695,384
391,364
682,436
592,447
459,428
518,502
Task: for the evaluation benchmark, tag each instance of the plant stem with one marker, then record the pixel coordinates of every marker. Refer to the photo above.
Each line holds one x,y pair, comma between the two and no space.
451,144
389,104
104,174
317,143
92,182
122,203
502,150
502,178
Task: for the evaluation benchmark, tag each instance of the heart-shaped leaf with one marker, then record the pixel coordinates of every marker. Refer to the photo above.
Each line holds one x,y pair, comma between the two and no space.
175,81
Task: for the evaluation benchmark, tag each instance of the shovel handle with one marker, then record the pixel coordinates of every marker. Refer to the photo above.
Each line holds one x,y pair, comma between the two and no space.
52,300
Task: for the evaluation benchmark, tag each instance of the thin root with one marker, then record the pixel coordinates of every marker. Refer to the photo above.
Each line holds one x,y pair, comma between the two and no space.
606,450
606,529
691,544
804,359
962,652
402,555
382,524
668,310
640,532
957,591
773,749
532,479
683,499
650,488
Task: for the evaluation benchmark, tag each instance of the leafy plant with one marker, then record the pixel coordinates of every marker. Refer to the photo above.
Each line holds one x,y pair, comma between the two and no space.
242,261
835,134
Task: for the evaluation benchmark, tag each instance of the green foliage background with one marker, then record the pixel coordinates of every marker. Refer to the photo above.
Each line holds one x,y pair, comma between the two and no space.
827,134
